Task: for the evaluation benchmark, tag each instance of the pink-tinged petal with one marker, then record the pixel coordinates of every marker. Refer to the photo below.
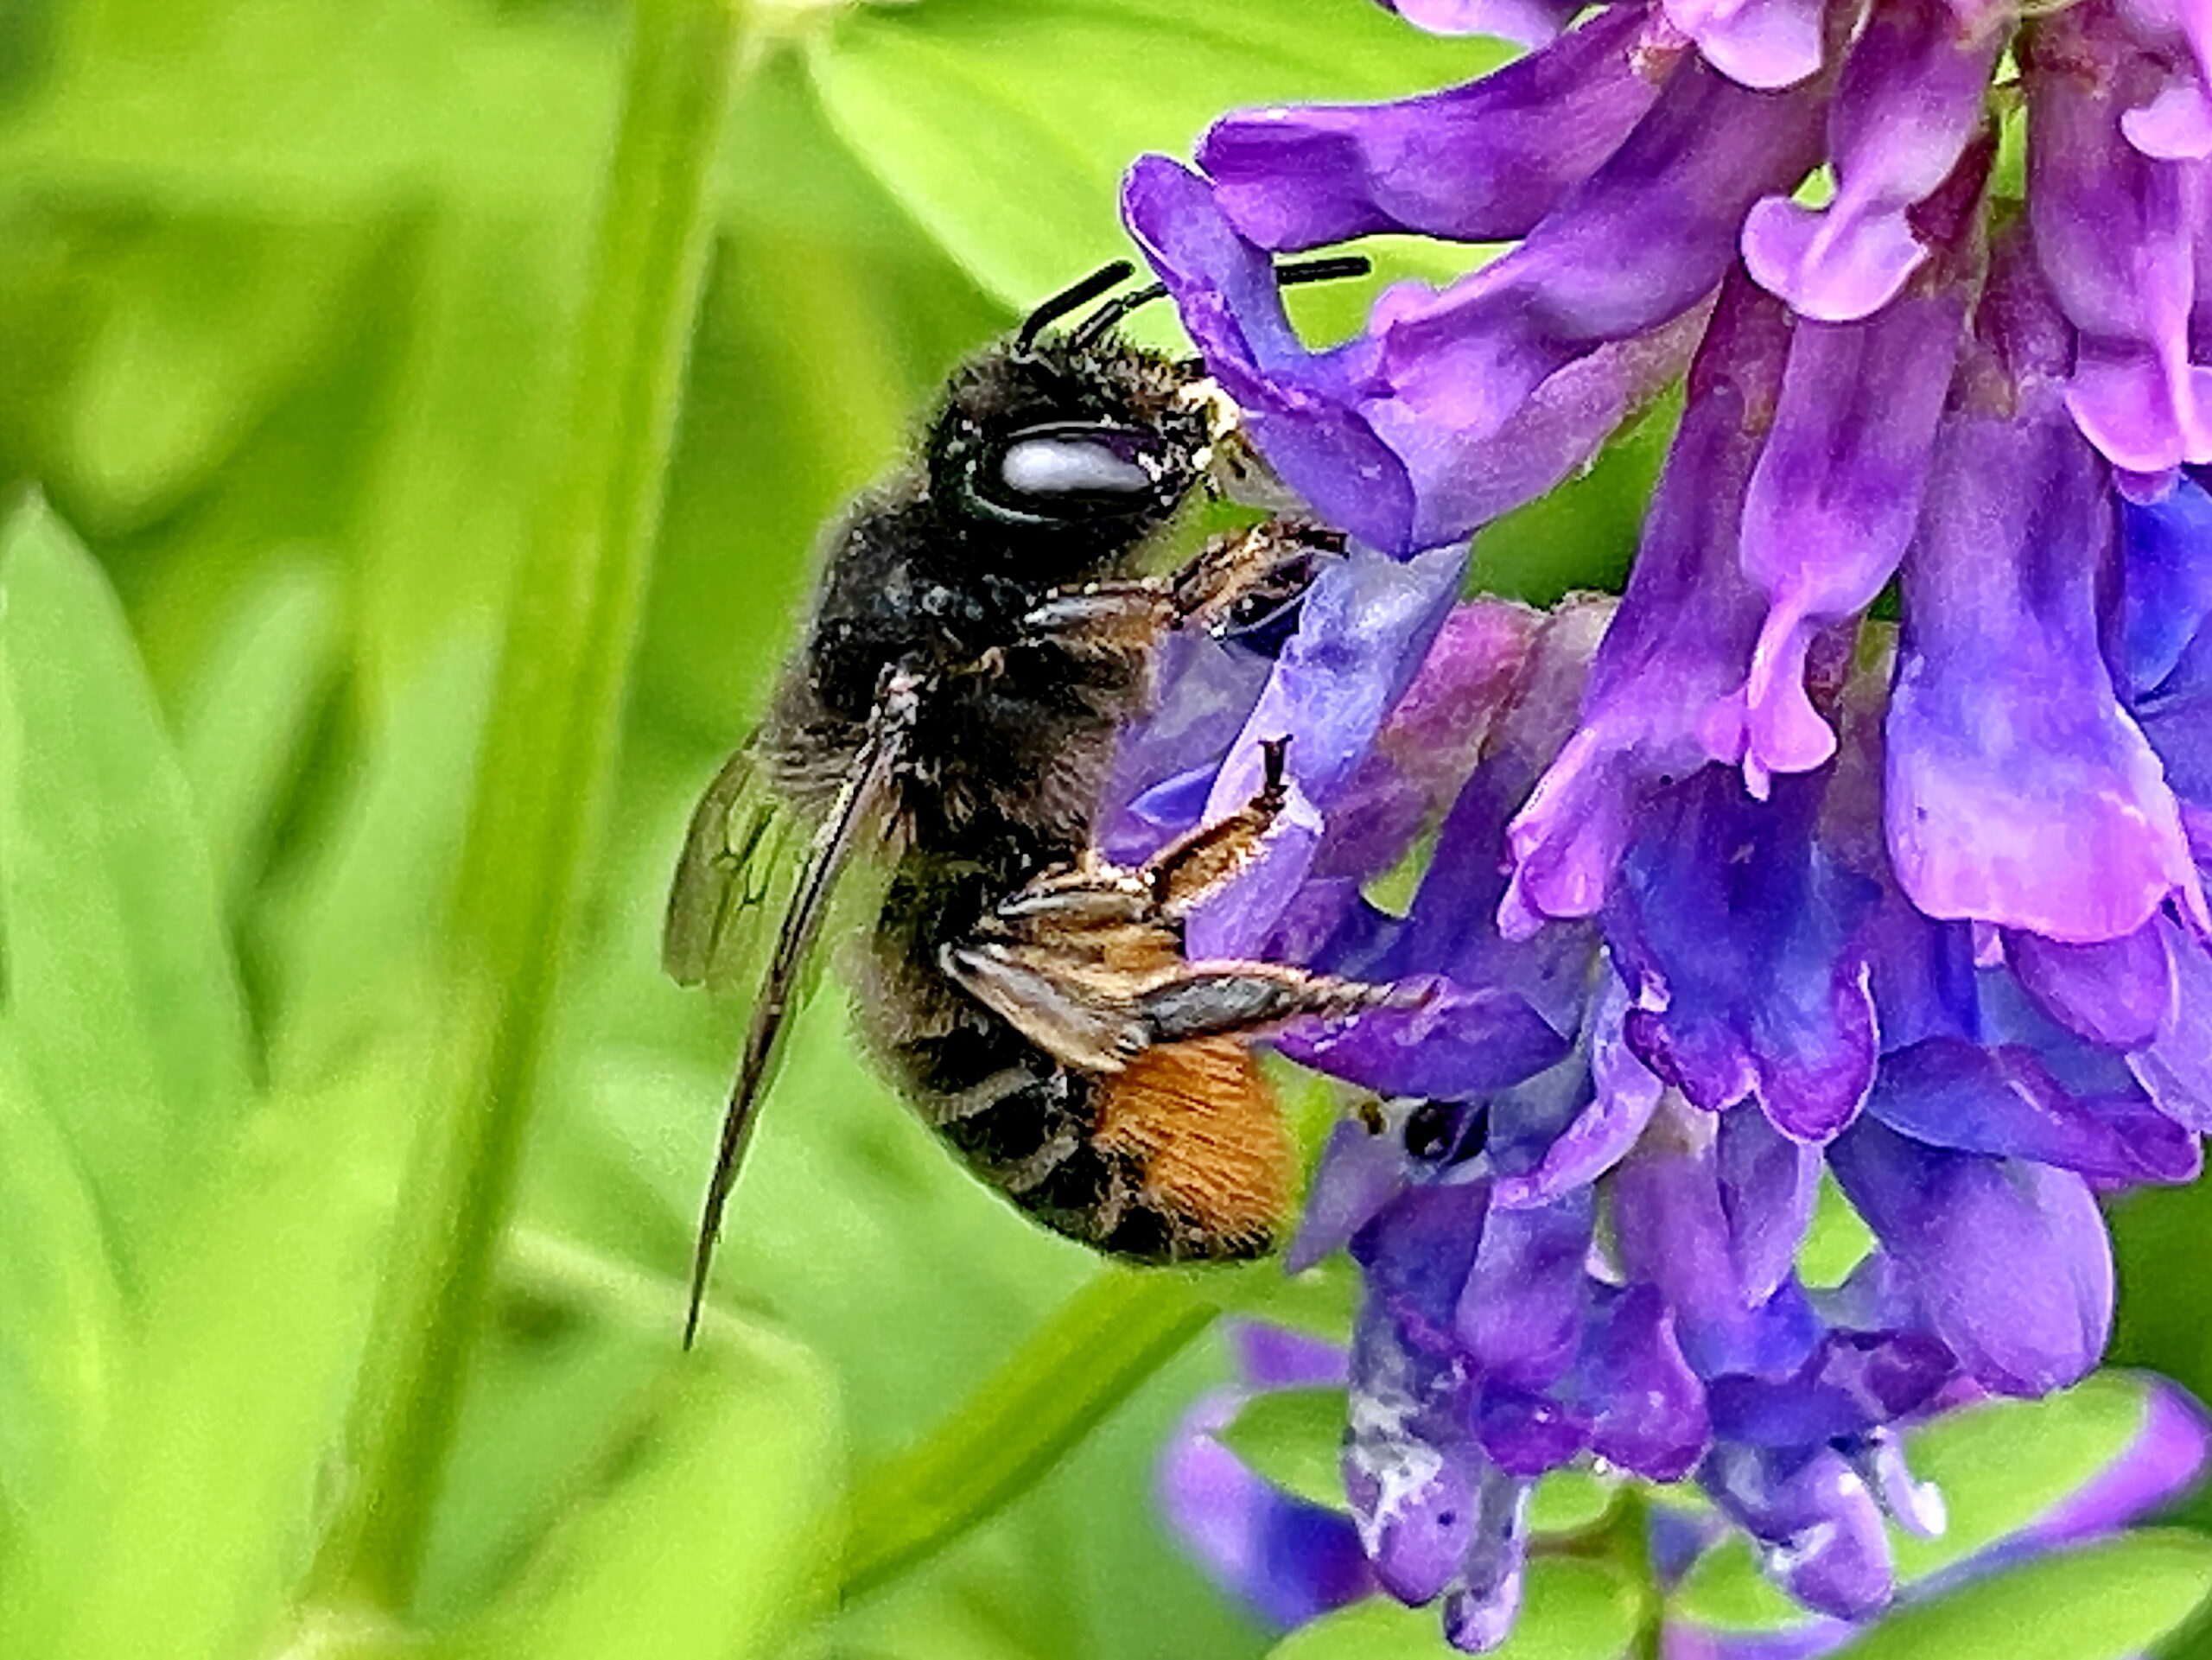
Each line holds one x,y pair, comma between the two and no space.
1682,639
1832,506
1909,98
1528,22
1482,163
1767,44
2055,818
2116,232
2176,125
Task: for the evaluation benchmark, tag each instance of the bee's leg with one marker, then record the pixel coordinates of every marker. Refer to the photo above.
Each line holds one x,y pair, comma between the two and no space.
1038,993
1103,619
1268,563
1195,867
1213,1000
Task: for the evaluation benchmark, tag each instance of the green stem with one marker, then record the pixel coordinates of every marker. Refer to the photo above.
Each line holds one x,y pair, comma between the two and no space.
548,757
1090,1355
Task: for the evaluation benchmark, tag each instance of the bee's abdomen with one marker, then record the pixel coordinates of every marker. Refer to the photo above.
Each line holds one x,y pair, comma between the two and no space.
1181,1157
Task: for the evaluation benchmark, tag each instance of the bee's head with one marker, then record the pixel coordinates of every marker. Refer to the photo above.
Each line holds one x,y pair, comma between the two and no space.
1073,443
1077,440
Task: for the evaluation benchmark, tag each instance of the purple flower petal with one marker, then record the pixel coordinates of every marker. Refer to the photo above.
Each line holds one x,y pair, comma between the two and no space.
1910,98
1479,1613
1520,1315
1456,1043
1914,1505
2176,124
2056,819
1852,1384
1482,163
1764,43
1735,933
1646,1407
1418,1254
1366,627
1768,1186
1623,1094
1288,1560
1671,1231
1646,236
2176,1067
1831,507
1397,479
1681,639
1276,1357
1819,1529
2116,992
2005,1103
1411,1472
1362,1168
2116,233
2009,1258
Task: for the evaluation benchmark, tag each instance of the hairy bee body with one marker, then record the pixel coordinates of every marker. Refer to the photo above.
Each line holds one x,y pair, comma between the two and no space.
981,636
1006,767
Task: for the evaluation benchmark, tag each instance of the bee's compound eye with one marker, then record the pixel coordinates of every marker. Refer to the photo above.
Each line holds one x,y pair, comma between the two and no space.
1045,475
1073,466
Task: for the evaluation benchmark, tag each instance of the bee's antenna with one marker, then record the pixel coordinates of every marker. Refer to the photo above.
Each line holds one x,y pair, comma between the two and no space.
1310,271
1073,298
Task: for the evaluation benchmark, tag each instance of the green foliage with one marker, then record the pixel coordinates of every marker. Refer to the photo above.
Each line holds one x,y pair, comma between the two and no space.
348,345
1571,1610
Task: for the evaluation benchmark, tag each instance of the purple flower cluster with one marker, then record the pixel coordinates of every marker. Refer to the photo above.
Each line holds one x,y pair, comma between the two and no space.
1729,890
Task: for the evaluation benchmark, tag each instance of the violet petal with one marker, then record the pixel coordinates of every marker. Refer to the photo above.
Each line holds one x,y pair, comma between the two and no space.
2010,1258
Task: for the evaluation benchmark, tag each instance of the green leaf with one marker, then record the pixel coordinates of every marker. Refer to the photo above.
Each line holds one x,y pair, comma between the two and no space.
1104,1342
1005,129
61,1311
188,1525
2002,1463
305,104
708,1541
1571,1609
1291,1438
1571,1501
543,775
123,1002
244,733
2099,1603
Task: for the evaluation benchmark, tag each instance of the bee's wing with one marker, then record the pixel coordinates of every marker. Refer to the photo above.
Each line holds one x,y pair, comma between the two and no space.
695,940
734,878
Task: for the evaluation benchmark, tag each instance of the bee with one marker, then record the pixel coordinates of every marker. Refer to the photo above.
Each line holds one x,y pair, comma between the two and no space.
980,634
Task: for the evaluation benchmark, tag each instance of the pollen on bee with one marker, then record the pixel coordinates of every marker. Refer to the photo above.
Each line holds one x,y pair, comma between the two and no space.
1200,1122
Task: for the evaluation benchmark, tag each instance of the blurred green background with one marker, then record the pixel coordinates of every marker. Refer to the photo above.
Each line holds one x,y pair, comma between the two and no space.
287,293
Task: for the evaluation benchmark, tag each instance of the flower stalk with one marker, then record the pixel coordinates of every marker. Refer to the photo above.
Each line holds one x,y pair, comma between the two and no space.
548,757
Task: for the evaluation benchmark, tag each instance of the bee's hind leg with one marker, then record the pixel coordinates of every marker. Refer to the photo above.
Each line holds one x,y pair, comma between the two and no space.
1229,998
